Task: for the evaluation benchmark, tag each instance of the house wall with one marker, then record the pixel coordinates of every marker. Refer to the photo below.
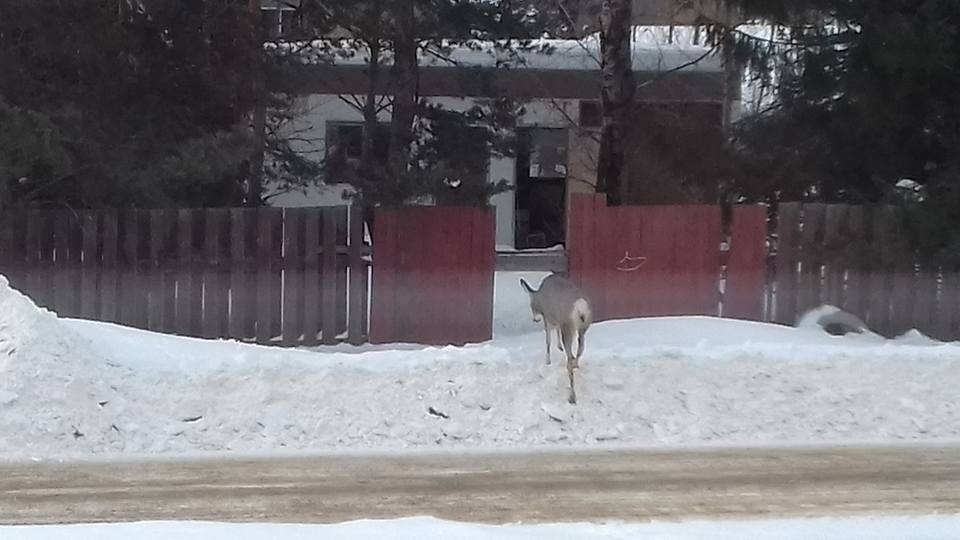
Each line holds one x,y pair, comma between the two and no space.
650,180
315,111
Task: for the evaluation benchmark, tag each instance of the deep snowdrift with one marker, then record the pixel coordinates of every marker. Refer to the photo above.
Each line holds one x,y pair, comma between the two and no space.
70,387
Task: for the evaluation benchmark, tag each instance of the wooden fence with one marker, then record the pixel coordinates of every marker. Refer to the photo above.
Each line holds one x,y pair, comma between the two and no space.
433,275
858,257
295,276
666,260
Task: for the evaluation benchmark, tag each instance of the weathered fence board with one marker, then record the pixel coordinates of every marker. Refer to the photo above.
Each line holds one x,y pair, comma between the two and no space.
201,272
358,280
746,264
433,275
860,258
645,260
788,231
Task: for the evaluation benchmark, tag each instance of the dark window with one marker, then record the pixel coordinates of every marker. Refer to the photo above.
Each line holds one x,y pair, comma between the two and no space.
590,114
345,141
548,153
541,187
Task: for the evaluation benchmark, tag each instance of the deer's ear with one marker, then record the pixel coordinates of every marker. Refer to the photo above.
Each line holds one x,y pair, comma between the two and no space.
526,286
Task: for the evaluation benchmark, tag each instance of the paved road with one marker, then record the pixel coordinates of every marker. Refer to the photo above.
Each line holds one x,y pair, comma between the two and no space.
494,488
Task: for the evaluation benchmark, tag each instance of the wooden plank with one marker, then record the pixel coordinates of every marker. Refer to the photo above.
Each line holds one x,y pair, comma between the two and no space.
484,250
168,269
787,256
329,311
450,325
810,288
293,273
214,315
47,275
187,288
32,272
263,289
90,276
925,299
356,332
312,301
858,263
276,271
881,275
69,262
62,292
385,261
241,324
905,278
8,263
110,240
746,263
951,301
522,261
12,244
130,288
709,259
342,264
154,274
835,247
415,269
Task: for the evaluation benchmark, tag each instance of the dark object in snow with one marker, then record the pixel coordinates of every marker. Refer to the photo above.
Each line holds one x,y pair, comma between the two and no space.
115,428
435,412
192,419
102,403
833,320
76,432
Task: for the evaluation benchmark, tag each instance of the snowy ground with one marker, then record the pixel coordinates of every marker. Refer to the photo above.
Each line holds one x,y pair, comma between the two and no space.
878,528
70,387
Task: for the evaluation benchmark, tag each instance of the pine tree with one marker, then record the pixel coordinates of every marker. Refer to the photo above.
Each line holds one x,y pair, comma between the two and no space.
421,160
150,100
866,97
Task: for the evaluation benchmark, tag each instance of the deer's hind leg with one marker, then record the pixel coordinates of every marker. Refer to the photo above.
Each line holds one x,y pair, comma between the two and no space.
546,330
567,334
581,333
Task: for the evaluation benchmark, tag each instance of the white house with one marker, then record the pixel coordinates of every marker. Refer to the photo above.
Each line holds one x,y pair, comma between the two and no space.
559,82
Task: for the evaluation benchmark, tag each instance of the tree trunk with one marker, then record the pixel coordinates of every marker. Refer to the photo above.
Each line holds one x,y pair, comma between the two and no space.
258,80
404,78
370,104
369,167
616,95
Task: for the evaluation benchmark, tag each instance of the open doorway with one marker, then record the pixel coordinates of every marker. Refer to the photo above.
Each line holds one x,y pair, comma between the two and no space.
541,189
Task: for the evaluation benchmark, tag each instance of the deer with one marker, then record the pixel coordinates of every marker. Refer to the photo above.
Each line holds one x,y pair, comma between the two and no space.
562,307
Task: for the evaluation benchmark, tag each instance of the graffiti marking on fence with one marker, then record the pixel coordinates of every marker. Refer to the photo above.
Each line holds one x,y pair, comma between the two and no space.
630,264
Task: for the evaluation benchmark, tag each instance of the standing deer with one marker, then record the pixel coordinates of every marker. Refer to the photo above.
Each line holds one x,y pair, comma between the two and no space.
563,307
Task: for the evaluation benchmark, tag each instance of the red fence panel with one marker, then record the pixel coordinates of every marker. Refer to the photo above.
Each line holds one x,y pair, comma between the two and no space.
645,260
746,264
433,275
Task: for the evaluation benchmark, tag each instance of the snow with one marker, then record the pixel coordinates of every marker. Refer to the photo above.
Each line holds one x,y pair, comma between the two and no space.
415,528
648,53
73,388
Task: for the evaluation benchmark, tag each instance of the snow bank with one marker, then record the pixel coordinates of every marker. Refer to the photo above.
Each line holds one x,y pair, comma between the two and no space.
72,388
416,528
51,379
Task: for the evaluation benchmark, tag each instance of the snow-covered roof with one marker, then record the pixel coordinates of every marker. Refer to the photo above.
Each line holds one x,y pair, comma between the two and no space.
545,54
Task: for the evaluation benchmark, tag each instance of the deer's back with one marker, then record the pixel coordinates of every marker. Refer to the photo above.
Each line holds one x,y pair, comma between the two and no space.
558,296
